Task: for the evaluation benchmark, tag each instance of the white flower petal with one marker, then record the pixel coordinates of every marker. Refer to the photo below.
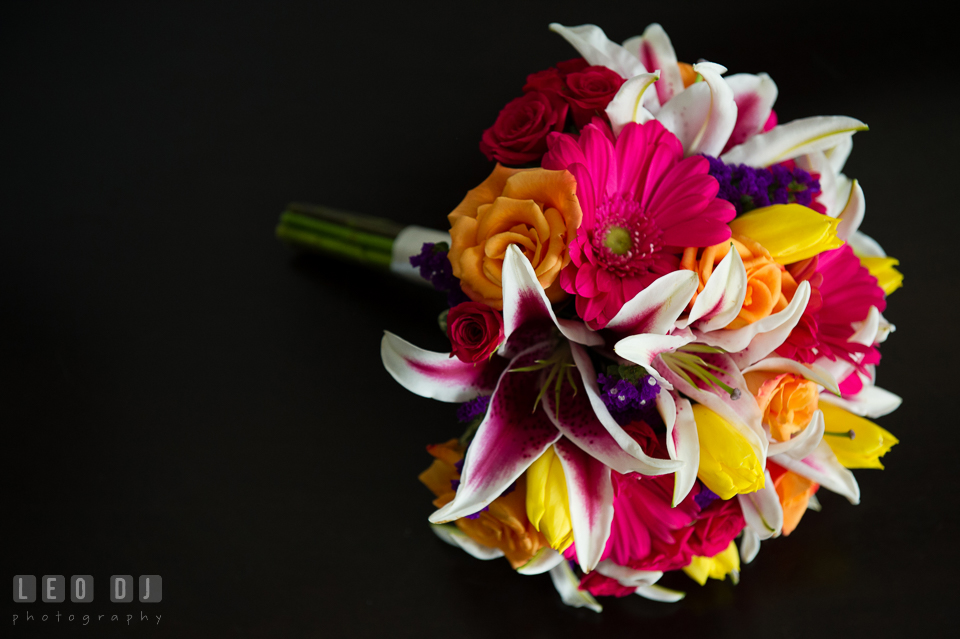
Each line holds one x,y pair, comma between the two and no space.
627,105
683,444
834,191
754,95
659,593
456,537
762,510
544,560
749,546
865,246
628,576
871,402
785,365
703,115
568,587
764,336
436,375
592,43
790,140
656,308
822,467
838,154
722,297
655,52
643,349
852,214
804,443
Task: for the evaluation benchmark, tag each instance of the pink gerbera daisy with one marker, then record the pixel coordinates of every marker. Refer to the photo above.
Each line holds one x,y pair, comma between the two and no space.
642,203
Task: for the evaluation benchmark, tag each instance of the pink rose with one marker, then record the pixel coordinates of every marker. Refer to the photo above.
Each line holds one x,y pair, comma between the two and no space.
475,331
520,133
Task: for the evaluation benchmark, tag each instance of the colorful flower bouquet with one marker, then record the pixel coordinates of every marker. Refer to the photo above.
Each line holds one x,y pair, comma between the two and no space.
664,322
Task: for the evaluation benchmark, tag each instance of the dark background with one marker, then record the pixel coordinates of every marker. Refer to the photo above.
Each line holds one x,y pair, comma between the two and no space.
183,396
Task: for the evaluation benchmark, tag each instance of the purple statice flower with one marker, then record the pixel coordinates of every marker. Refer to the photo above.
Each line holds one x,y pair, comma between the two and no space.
705,497
749,188
629,398
476,407
435,268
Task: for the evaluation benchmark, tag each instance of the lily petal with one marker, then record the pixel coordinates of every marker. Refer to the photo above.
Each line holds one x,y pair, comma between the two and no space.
683,443
659,593
793,139
753,342
865,246
568,587
507,441
643,350
742,413
456,537
585,420
722,297
544,560
838,154
754,95
656,53
812,372
627,105
592,43
852,214
834,188
822,467
528,316
703,115
749,545
656,308
804,443
437,375
590,491
872,401
762,510
628,576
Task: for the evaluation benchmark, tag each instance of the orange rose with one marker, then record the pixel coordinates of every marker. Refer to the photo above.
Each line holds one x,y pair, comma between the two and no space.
764,277
794,492
787,400
535,209
504,525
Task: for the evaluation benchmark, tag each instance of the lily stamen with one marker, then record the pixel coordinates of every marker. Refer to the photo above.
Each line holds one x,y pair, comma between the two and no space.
851,434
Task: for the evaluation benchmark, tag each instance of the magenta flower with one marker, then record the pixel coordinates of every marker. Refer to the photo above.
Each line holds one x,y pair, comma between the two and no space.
642,202
830,328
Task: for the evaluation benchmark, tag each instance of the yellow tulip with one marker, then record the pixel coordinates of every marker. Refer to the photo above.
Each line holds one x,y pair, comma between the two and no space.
716,567
548,508
889,278
867,445
728,463
791,232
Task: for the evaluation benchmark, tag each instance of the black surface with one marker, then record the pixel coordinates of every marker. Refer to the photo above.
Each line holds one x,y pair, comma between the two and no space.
183,397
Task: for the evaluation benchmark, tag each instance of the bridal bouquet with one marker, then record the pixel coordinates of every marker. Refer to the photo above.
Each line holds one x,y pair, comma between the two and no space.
664,323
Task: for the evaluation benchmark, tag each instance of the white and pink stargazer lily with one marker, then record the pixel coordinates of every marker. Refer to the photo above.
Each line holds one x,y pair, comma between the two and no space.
510,437
720,116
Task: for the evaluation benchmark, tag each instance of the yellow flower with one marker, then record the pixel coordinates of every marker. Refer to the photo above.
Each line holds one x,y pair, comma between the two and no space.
790,232
716,567
728,463
867,445
547,506
889,278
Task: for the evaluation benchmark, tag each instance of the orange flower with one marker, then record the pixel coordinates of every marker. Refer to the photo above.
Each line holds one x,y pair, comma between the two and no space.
794,492
504,525
535,209
764,277
787,400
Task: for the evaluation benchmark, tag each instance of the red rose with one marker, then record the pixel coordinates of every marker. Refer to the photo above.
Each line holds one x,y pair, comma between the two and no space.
520,133
589,92
475,331
552,80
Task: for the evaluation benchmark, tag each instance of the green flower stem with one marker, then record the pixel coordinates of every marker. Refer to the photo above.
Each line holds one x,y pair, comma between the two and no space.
349,236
